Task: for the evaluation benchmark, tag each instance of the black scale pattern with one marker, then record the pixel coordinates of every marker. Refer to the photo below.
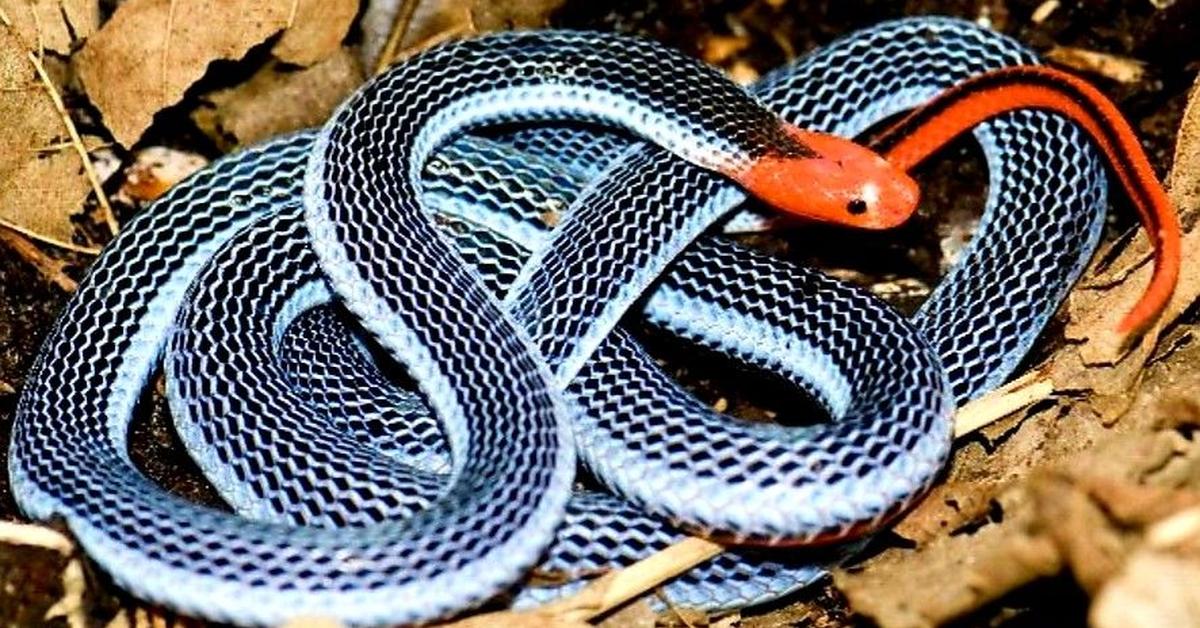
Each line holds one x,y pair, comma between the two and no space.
68,449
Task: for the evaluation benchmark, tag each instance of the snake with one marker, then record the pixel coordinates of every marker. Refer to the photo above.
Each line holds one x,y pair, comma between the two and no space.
291,286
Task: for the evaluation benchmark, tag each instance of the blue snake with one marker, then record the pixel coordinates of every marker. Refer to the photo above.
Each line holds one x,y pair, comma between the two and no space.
378,502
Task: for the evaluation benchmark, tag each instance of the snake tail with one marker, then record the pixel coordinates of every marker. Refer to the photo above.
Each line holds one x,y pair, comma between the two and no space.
988,95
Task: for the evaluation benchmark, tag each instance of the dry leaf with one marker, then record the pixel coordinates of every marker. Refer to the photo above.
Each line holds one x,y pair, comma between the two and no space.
1102,298
136,615
1184,180
316,31
151,51
54,270
490,15
1067,516
945,509
431,18
40,575
52,24
376,23
1154,589
635,615
274,101
42,181
1079,528
155,170
952,575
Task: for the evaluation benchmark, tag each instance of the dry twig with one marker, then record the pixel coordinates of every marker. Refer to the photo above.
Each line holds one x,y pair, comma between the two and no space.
1019,393
614,589
68,246
404,15
466,28
106,211
50,268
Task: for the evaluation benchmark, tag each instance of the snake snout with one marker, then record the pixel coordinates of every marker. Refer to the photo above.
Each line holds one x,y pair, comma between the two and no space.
838,181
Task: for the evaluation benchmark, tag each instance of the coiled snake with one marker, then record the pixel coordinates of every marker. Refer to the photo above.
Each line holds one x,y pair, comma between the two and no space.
376,503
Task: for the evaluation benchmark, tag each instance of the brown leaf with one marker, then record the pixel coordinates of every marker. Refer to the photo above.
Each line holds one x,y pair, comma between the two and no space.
155,170
41,177
1154,589
1065,515
1085,539
275,101
432,18
1184,180
952,575
49,24
316,31
151,51
51,268
947,507
635,615
1104,296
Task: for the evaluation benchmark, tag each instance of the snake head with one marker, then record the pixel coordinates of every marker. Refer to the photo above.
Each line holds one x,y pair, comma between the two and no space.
832,179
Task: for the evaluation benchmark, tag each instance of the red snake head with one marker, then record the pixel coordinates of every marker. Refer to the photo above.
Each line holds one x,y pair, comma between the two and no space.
844,183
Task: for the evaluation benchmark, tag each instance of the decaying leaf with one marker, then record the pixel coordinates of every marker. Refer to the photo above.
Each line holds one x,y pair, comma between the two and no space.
276,100
1104,296
51,268
1065,517
40,576
382,31
376,23
1184,179
42,181
1154,589
155,170
316,31
150,51
51,24
1076,480
639,614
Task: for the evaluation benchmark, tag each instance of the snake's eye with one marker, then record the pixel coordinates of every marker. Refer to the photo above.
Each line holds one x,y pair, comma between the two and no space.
857,207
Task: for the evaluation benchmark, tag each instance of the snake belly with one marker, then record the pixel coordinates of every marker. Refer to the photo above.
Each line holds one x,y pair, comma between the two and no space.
68,453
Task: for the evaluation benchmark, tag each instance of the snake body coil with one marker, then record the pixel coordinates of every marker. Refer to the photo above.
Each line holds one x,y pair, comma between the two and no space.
292,423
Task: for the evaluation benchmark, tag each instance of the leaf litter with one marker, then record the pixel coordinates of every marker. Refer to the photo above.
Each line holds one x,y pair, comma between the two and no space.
1086,468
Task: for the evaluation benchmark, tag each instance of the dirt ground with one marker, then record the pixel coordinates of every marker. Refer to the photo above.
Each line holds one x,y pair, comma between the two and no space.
1005,482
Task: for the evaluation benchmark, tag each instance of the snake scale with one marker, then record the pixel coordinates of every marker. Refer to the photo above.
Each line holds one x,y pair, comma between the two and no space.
380,502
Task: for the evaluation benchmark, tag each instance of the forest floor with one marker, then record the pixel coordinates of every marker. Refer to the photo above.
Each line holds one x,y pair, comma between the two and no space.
1082,507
